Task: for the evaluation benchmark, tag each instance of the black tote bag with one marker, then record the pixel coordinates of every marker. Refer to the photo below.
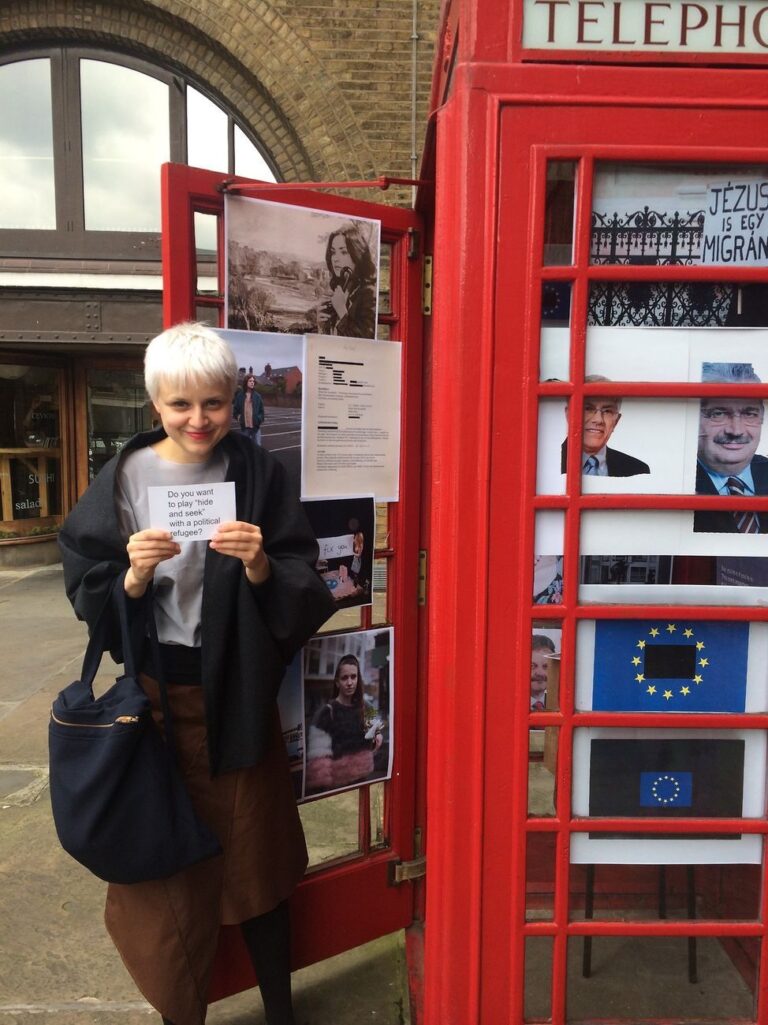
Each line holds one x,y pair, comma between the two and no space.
119,803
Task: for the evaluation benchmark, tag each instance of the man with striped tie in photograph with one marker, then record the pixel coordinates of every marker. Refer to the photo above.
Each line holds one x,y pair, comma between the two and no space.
729,434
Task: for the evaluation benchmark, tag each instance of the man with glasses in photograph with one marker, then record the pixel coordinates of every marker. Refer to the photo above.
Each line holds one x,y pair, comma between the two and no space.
601,416
729,434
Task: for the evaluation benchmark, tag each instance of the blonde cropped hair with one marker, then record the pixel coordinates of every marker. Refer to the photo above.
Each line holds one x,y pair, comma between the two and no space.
185,353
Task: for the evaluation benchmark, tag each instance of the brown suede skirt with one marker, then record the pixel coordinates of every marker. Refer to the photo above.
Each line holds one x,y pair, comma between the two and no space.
166,931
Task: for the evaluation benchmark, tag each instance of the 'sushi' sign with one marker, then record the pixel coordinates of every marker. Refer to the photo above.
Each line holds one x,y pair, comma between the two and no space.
646,25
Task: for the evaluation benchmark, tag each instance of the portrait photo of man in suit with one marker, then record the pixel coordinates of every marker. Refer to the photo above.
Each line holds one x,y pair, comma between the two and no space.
728,464
542,650
601,417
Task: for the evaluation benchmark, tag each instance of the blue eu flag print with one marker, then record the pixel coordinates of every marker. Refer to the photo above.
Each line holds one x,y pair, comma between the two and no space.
666,777
666,789
670,666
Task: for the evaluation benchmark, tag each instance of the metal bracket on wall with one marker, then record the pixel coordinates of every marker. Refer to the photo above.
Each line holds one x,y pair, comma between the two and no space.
422,599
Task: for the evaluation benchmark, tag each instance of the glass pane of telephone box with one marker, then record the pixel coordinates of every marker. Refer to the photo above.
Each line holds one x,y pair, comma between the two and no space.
667,304
633,978
692,214
635,892
331,827
558,216
538,978
344,619
382,525
377,798
555,346
540,876
654,556
385,279
379,608
546,641
209,315
548,557
553,426
542,771
206,250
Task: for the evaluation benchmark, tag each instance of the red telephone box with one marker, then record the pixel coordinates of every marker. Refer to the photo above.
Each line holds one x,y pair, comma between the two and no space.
596,848
590,284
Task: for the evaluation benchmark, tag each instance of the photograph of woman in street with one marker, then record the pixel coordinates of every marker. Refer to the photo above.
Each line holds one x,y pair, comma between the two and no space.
351,309
248,409
230,614
344,733
340,753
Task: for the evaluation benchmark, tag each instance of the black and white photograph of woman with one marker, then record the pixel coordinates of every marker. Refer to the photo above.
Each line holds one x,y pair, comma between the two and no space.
297,270
351,308
348,691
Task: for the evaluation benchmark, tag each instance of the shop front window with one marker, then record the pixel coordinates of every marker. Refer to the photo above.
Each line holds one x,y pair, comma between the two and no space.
117,409
30,450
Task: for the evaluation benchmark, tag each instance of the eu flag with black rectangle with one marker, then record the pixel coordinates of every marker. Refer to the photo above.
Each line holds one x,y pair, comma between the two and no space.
670,666
678,777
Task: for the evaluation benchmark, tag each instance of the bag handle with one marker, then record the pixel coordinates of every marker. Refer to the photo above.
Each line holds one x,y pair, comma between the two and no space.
157,659
98,640
129,656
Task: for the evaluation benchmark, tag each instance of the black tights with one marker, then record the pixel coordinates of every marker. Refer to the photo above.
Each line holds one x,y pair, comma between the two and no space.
268,938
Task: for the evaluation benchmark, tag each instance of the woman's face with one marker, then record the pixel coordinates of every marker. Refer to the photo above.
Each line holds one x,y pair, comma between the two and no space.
195,417
250,383
347,680
340,255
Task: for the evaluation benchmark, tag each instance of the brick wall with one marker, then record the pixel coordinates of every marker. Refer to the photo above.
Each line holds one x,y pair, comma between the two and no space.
327,86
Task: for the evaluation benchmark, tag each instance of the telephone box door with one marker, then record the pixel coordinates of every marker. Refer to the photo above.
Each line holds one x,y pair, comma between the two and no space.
606,699
356,838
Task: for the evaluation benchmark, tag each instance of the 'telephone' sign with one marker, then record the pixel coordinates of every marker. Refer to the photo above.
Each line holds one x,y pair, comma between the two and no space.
646,25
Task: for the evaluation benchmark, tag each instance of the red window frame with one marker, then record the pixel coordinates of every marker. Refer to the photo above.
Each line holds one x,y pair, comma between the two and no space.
352,900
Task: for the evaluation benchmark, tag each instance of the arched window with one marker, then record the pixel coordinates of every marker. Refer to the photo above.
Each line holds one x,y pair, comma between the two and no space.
83,133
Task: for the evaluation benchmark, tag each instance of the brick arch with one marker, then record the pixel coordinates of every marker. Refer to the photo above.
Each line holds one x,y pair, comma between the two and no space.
246,54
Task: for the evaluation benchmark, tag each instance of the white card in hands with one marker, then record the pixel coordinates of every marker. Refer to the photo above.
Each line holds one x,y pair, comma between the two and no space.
192,512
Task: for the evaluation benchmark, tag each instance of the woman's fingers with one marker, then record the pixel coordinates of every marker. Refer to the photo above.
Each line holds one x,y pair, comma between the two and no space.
235,538
149,547
243,541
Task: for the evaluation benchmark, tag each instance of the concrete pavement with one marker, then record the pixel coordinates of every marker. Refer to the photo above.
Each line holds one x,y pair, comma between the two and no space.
57,964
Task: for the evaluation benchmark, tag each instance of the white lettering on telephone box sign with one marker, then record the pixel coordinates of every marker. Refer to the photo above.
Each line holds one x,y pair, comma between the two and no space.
644,26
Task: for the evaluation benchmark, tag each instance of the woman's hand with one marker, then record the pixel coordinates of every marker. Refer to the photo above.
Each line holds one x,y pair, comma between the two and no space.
146,550
340,301
243,541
